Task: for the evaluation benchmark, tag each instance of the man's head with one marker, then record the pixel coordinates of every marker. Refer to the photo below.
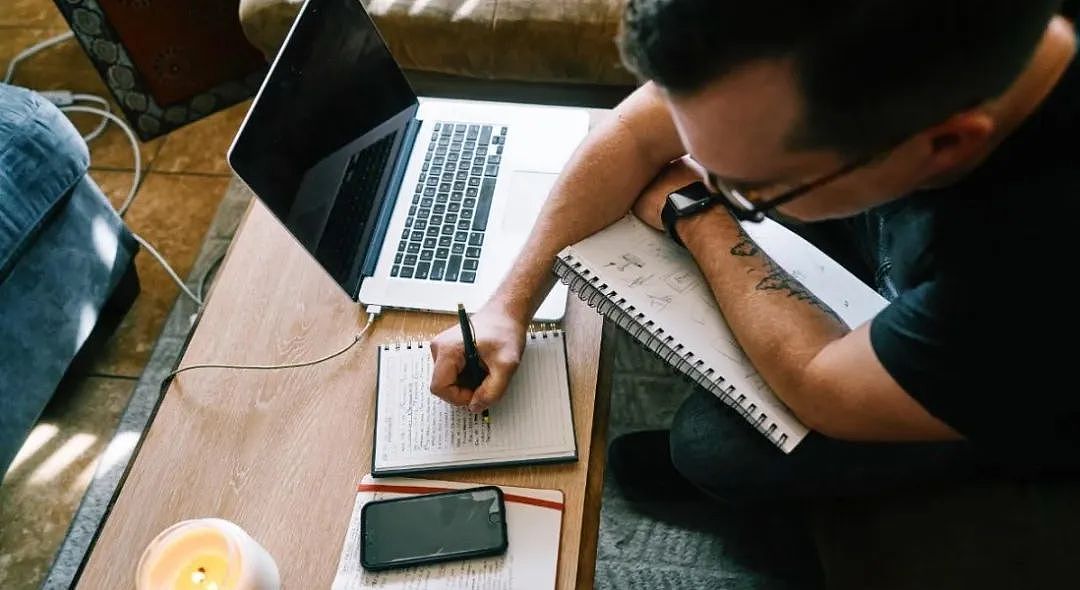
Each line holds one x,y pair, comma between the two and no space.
781,93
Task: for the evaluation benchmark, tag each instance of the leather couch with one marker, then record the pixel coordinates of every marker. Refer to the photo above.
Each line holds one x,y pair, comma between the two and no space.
547,41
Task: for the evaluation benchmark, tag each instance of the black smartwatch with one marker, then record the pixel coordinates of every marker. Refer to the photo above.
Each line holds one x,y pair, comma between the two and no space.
685,202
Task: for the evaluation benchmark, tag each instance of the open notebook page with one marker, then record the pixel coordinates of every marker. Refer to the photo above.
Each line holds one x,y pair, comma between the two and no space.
533,527
417,430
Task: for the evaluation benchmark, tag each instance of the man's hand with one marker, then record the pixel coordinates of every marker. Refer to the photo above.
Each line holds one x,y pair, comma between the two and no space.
651,202
500,341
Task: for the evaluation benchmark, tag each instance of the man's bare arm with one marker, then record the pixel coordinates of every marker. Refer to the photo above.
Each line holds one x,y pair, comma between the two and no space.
599,185
829,376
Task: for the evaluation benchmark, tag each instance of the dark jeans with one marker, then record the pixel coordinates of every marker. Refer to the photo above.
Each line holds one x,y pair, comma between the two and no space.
716,449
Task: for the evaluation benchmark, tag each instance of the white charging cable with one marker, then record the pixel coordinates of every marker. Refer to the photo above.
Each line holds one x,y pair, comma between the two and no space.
104,120
123,209
108,116
25,53
172,273
60,97
373,312
65,98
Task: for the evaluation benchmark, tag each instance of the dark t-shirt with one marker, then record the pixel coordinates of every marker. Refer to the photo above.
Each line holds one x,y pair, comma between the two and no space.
983,330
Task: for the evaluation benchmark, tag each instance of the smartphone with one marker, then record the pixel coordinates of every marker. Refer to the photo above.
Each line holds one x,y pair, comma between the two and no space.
431,528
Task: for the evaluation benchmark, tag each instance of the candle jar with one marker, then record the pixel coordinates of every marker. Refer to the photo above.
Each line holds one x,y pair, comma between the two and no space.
206,554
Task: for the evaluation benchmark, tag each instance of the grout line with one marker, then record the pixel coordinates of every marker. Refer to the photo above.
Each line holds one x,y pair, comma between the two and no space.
148,171
203,174
109,376
62,26
35,27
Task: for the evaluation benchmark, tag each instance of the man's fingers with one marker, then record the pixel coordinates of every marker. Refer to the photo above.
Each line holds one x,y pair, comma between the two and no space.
458,396
449,361
489,391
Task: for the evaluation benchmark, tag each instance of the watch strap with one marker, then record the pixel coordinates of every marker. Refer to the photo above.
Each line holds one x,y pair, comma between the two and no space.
669,215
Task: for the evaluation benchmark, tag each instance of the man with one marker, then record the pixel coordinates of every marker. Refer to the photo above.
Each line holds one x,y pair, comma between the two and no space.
930,144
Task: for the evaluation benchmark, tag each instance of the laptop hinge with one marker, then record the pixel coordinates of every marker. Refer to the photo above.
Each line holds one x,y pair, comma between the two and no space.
382,223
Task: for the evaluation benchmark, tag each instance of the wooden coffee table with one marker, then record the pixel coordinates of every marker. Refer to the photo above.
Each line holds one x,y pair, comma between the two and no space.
281,452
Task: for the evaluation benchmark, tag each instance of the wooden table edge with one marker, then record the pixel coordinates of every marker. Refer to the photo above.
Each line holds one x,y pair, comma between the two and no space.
594,485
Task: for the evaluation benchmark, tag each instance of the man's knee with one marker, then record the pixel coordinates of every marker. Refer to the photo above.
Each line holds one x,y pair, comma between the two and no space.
714,448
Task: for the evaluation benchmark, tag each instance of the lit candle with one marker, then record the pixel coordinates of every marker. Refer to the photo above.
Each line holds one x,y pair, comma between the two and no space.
206,554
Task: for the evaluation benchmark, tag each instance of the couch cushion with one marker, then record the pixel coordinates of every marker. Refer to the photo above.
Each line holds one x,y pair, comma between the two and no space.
521,40
42,156
51,301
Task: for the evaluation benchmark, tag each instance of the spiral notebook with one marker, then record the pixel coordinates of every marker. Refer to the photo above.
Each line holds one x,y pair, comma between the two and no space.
653,289
417,432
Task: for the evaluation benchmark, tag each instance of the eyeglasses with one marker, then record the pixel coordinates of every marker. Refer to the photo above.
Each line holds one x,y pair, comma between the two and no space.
746,209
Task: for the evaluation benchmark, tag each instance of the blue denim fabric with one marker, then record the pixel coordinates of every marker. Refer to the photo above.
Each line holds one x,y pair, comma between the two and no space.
42,156
63,250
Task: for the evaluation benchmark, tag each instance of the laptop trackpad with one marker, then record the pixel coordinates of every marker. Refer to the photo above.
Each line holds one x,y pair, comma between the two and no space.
526,195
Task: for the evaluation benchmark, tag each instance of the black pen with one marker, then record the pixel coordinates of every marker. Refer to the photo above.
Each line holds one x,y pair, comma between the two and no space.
473,374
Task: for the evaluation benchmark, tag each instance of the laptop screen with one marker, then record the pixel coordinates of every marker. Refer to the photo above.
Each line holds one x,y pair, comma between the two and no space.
320,137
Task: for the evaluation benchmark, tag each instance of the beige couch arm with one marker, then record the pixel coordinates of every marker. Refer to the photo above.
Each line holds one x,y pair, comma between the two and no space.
266,22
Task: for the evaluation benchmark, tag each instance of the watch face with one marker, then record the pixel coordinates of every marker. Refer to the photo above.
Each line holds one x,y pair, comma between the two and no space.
682,202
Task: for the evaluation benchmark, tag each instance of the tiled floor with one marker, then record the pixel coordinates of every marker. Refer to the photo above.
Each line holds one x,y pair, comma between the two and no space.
185,177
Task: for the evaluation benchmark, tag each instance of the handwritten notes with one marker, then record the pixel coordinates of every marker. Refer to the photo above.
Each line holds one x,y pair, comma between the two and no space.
416,430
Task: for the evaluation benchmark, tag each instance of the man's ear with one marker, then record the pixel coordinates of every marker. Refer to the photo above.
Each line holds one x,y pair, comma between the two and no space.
956,144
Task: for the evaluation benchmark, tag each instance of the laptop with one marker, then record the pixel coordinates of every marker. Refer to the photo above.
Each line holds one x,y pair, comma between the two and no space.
406,202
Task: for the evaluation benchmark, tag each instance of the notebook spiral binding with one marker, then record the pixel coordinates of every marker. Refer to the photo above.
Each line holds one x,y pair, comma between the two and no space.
534,332
587,286
543,331
403,345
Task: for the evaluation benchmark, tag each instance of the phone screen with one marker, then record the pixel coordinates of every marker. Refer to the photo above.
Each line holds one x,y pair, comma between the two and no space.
433,527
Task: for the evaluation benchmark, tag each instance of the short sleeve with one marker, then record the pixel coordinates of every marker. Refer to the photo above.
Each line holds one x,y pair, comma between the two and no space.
942,350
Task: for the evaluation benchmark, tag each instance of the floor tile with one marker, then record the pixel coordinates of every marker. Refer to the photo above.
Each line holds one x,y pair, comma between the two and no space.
172,212
47,480
201,146
31,13
66,67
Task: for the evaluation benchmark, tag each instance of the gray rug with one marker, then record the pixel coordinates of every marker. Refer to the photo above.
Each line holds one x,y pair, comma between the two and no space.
689,545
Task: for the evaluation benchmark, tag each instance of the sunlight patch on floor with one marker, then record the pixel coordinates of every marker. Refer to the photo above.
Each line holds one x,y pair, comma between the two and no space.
71,450
41,434
418,6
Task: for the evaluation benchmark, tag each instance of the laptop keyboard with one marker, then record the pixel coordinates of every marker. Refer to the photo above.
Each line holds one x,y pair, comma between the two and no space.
444,233
352,206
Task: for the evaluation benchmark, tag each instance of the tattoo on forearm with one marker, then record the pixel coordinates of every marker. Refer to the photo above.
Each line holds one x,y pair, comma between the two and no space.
776,278
745,246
